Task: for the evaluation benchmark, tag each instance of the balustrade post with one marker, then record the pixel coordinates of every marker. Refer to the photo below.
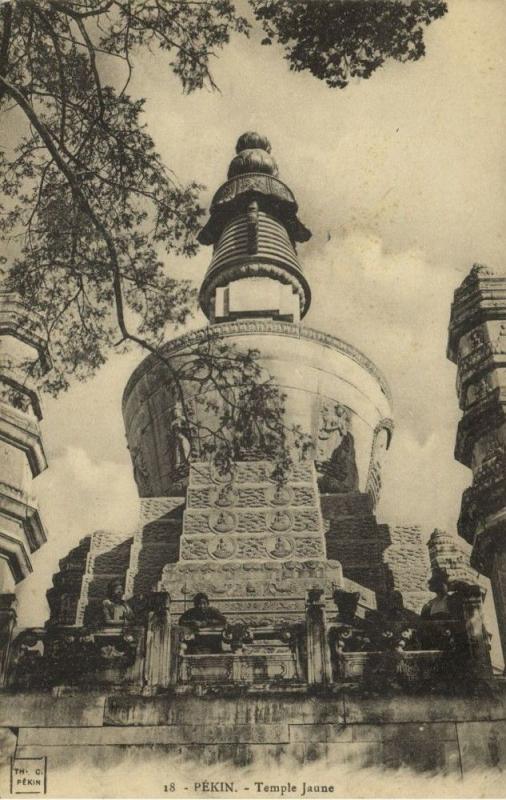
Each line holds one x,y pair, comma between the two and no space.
7,622
159,644
319,671
477,636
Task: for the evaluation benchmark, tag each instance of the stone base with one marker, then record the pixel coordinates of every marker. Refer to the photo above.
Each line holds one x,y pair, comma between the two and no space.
147,742
254,545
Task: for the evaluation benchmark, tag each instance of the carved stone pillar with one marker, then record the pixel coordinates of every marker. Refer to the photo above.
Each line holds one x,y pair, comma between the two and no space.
7,623
477,344
157,663
498,581
477,636
319,671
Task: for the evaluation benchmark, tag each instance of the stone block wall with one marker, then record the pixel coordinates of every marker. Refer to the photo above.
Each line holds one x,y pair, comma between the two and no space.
63,597
107,558
408,565
355,539
155,542
448,736
452,554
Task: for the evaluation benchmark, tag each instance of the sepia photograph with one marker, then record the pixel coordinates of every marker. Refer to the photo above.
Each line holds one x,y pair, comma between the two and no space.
252,398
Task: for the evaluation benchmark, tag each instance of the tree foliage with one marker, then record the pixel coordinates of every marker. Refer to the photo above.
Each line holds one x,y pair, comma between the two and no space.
345,39
85,191
238,411
86,194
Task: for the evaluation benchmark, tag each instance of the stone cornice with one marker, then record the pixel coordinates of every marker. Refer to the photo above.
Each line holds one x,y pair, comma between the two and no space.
486,543
481,297
484,416
15,554
253,267
262,327
12,505
12,377
17,321
23,433
253,181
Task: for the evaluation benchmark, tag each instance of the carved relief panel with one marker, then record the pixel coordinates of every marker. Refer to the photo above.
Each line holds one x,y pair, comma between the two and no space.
381,443
335,458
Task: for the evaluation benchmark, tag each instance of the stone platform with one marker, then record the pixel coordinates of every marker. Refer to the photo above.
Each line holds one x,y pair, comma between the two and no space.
342,729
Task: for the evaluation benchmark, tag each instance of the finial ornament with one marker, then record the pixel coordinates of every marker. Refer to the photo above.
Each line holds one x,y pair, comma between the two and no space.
250,140
254,229
253,155
478,271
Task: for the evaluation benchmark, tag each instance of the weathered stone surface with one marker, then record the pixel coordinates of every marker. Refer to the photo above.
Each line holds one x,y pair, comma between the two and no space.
108,558
44,710
321,733
255,563
330,755
130,710
63,597
158,734
8,742
426,734
447,552
157,763
22,455
477,344
482,744
155,542
309,367
384,710
354,538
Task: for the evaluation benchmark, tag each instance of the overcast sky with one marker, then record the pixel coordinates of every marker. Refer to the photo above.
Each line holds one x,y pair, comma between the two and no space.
401,179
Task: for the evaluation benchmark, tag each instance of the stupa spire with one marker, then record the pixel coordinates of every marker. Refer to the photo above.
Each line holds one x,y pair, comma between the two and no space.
254,229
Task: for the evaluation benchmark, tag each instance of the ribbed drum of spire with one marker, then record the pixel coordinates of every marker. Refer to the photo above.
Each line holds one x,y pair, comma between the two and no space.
254,228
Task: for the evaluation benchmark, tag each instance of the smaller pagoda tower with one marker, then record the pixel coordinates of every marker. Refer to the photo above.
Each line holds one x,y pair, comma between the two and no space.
477,344
22,455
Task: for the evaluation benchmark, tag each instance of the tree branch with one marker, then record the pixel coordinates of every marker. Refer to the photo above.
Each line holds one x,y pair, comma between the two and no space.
6,38
16,94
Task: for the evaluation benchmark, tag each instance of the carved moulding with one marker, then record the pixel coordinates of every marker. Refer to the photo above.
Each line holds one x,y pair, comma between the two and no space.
382,438
477,423
219,276
484,499
257,182
256,326
252,473
21,323
250,496
243,547
252,521
249,579
488,541
480,297
23,433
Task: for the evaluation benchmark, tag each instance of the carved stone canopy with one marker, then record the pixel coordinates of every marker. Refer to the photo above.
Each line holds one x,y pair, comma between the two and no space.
253,173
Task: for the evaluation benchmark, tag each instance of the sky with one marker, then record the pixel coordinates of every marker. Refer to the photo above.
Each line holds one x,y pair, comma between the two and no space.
401,179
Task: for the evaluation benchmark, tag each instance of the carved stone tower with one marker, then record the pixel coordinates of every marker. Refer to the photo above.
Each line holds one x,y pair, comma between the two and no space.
253,545
22,455
477,344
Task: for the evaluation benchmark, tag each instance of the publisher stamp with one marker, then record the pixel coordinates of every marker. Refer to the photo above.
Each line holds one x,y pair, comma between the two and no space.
29,776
